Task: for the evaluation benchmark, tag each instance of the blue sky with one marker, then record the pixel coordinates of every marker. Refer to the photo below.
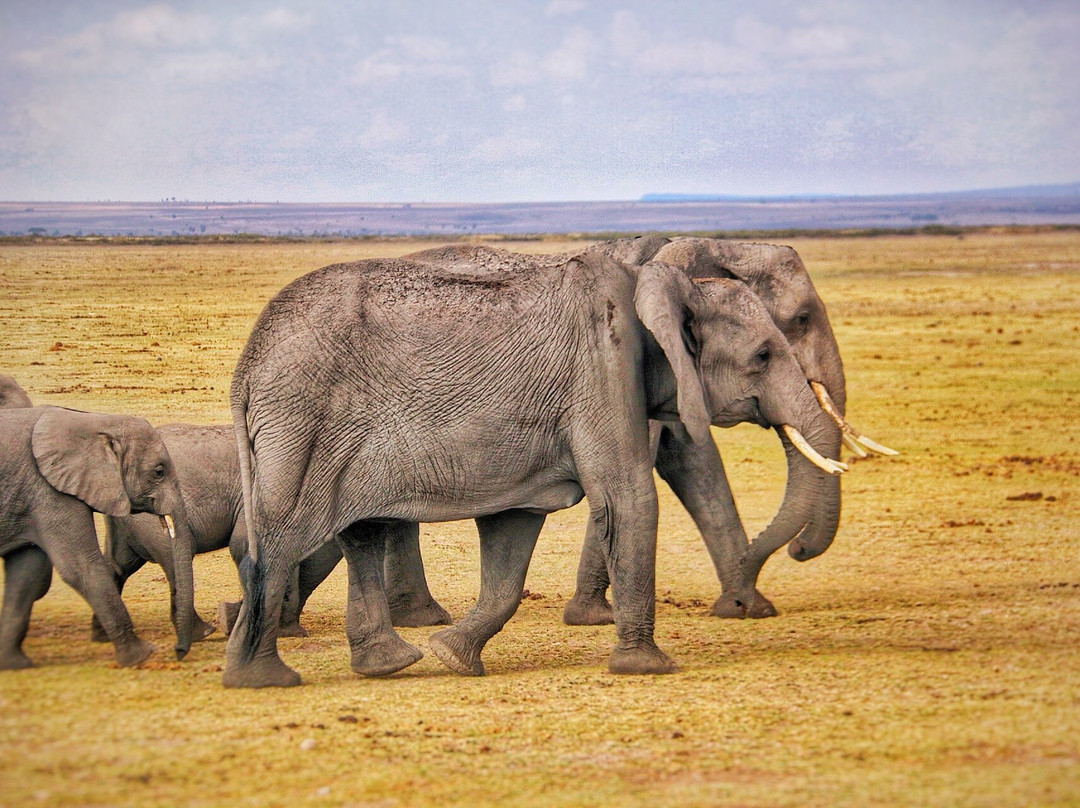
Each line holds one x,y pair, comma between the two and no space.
474,101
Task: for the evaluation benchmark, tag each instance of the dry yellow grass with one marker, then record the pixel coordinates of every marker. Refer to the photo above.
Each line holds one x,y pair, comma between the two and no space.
929,658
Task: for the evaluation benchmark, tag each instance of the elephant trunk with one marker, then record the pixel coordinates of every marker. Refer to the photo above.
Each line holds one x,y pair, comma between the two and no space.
183,594
170,510
810,511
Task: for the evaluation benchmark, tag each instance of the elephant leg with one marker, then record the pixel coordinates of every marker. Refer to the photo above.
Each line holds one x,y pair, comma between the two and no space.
27,576
289,626
200,629
589,606
310,573
507,540
228,611
71,542
411,602
377,650
695,473
251,654
125,563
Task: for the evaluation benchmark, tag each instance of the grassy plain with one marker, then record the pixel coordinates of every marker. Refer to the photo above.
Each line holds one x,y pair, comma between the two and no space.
929,658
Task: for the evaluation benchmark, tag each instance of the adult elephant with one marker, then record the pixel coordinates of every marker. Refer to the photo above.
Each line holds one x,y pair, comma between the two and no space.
388,392
808,518
209,472
809,515
59,466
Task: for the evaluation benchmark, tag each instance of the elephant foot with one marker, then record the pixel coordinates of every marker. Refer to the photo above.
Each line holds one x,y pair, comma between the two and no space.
97,631
134,653
640,660
588,611
383,657
201,630
456,652
415,616
226,616
292,630
755,607
15,661
263,672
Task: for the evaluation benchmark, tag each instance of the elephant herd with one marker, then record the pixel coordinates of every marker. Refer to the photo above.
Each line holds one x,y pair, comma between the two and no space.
463,382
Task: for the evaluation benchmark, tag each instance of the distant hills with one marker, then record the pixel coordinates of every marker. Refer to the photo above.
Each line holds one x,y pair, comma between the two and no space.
672,213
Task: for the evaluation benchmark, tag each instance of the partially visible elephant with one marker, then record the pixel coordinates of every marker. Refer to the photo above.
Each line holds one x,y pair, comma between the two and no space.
209,472
387,392
12,396
809,515
59,466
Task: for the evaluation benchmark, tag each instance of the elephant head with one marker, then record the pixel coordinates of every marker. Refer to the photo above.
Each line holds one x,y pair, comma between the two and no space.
730,365
119,465
12,396
777,275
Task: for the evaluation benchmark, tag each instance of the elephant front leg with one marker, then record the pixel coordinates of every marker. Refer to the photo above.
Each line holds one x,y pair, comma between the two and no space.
251,654
377,650
411,602
628,525
589,606
695,472
27,576
507,540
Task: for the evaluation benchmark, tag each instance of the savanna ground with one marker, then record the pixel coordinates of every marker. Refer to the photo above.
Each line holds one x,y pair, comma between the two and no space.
929,658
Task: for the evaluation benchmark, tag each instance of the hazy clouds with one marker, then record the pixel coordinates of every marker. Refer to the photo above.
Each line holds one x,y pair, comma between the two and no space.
567,99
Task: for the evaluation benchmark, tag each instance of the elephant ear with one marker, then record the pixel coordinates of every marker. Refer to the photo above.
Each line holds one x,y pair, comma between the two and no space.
79,456
663,299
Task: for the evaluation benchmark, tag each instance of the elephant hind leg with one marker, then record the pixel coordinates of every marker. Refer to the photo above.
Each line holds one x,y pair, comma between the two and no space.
27,576
589,606
507,540
251,655
377,650
411,602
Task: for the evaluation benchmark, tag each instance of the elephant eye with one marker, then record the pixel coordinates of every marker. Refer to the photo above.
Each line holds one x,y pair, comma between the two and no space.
159,472
761,358
803,319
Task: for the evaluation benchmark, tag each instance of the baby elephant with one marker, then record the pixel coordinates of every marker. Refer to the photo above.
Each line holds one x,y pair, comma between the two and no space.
58,466
208,468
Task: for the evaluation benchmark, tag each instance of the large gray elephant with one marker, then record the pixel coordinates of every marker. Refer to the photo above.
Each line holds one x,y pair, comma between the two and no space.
209,472
388,392
59,466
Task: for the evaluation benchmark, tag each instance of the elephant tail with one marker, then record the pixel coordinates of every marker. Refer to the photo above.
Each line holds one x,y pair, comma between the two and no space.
247,466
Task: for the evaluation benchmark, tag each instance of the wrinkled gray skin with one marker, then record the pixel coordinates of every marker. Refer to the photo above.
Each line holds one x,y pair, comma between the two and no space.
209,472
502,388
59,466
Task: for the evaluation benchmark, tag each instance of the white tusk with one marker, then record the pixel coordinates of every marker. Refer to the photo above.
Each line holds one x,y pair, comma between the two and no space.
848,432
170,525
811,454
853,445
874,446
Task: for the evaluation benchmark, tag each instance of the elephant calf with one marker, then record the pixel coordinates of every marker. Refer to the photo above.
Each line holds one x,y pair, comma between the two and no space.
209,472
58,466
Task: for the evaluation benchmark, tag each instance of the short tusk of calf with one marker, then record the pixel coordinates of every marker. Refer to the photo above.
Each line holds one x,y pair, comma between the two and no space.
811,454
170,525
848,432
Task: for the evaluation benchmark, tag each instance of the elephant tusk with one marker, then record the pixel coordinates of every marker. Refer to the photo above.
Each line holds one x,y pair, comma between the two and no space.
811,454
853,445
170,525
850,435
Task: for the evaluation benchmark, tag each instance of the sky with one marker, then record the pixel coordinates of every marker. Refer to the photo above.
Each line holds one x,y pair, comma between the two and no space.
552,100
